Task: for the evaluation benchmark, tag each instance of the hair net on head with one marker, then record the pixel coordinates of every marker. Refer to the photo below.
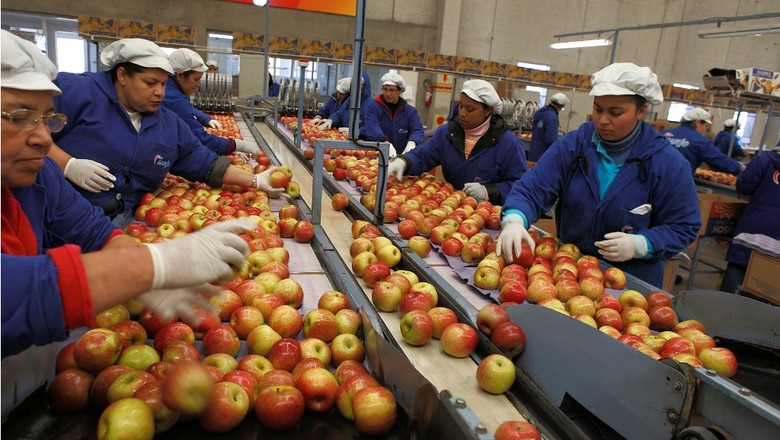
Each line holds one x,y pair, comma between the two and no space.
24,66
697,114
560,99
184,60
627,79
482,91
730,123
394,79
211,63
343,85
137,51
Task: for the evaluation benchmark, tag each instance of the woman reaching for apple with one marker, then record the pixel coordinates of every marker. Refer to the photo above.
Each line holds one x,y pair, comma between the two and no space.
119,143
476,150
622,190
62,258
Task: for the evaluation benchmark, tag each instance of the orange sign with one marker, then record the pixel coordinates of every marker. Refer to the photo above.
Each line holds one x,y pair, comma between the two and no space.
341,7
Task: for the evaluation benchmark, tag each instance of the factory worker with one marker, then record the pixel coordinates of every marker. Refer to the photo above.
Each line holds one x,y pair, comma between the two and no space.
545,126
273,86
476,151
340,118
333,102
120,142
212,66
188,68
622,192
723,140
62,258
389,118
689,140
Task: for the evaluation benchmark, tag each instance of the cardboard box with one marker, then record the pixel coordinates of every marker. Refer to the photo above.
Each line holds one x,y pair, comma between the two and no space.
762,277
760,81
719,215
547,225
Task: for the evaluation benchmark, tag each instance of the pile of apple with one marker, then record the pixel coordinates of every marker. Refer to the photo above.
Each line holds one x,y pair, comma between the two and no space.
715,176
229,126
310,132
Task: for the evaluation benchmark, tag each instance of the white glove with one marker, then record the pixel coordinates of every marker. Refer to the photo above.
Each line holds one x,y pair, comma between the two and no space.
325,124
411,145
397,167
90,175
513,234
263,182
169,303
620,246
476,190
315,120
215,124
207,255
392,152
250,148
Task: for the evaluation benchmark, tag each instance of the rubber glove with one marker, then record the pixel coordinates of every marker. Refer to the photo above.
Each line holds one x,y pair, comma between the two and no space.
411,145
476,190
248,147
392,151
90,175
397,167
207,255
169,303
325,124
215,124
263,182
620,246
513,235
315,120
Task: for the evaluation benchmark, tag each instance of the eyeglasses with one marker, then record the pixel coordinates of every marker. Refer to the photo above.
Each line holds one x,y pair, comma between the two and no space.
25,120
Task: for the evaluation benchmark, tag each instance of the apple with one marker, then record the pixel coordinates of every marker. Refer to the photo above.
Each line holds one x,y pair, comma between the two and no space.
687,358
472,253
126,384
266,303
609,317
416,327
658,298
361,260
655,342
591,287
290,291
65,358
221,339
347,369
411,276
720,359
227,406
638,329
459,339
442,317
346,346
243,320
407,229
414,301
187,387
607,301
278,268
489,317
662,318
339,201
614,278
610,331
224,362
320,324
386,296
390,255
428,289
224,303
180,350
160,369
261,339
632,298
280,408
256,365
130,332
525,258
635,314
175,331
304,232
278,179
107,318
288,211
126,418
285,354
541,290
357,226
509,338
487,278
138,356
374,272
452,247
286,321
360,244
581,305
347,389
677,345
287,227
567,288
97,349
375,410
276,250
316,349
689,323
348,321
151,394
441,233
206,321
700,339
495,374
333,301
319,388
98,393
420,245
69,391
293,190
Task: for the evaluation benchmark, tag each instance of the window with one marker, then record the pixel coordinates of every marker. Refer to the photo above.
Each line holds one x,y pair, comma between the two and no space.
677,110
542,91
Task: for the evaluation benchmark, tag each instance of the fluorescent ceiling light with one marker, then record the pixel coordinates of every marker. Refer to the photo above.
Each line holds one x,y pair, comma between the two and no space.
259,2
686,86
583,43
745,33
221,36
539,90
533,66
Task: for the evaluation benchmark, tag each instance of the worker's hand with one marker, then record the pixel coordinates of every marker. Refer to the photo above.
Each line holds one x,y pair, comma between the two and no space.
248,147
170,303
315,120
263,182
207,255
397,167
391,151
620,246
325,124
411,145
215,124
476,190
90,175
513,235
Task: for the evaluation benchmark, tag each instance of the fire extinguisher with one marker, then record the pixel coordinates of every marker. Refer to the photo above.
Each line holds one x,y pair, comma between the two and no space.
428,91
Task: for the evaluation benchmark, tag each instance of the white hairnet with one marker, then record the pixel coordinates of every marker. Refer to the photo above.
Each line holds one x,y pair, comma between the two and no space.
184,60
343,85
560,99
697,114
394,79
211,63
482,91
137,51
730,123
627,79
25,67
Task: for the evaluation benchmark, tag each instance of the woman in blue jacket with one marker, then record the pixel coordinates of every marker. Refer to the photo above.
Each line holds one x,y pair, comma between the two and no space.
188,68
333,102
727,138
340,118
120,142
761,181
545,126
621,190
389,118
689,140
62,258
476,151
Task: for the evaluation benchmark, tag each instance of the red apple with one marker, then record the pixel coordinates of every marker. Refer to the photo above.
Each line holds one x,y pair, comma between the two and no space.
347,346
416,327
614,278
509,338
657,298
348,321
420,245
256,365
386,296
180,350
489,317
442,317
285,354
126,384
321,324
97,349
187,387
151,394
375,410
175,331
662,318
459,339
69,391
720,359
374,272
280,408
319,388
244,319
261,339
333,301
516,430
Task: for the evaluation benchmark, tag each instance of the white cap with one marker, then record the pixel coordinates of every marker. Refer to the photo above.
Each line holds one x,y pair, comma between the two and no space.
184,60
137,51
482,91
24,66
697,114
730,123
211,63
394,79
627,79
343,85
560,99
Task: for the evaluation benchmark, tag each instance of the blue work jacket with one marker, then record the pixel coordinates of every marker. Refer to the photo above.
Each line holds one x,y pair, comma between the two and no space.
398,129
543,133
697,149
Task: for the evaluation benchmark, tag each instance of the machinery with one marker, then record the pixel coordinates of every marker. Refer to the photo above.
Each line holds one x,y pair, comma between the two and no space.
215,93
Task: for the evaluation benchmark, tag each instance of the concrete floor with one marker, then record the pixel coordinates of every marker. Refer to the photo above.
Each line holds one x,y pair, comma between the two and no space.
713,252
